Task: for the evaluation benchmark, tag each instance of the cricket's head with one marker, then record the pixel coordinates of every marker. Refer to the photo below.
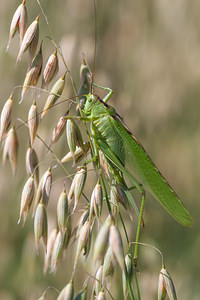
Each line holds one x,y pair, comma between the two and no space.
91,99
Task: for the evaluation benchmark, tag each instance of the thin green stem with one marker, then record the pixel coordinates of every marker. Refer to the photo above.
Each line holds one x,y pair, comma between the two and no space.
138,228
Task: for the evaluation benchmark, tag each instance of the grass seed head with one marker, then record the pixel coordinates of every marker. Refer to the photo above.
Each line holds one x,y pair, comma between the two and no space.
46,186
32,74
14,26
101,296
58,250
23,22
98,280
102,240
129,268
33,122
108,264
10,150
50,69
62,211
50,246
31,32
168,284
32,164
6,116
78,154
81,176
54,94
58,130
161,287
26,198
96,201
67,292
40,226
82,240
116,245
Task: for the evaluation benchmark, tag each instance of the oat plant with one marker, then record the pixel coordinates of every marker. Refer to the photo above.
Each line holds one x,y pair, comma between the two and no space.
99,145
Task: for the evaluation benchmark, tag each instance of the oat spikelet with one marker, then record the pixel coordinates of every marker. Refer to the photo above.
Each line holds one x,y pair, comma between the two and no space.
101,296
14,26
32,74
82,240
32,164
58,250
81,176
38,195
33,122
26,199
50,69
50,245
78,154
31,32
67,292
116,245
58,130
46,187
11,149
98,280
6,116
168,285
40,226
62,211
55,93
23,21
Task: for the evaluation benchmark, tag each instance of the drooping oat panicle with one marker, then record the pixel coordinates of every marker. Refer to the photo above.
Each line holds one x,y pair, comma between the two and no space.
168,285
31,32
33,121
82,240
78,154
67,292
62,211
96,201
32,166
101,296
46,186
115,242
108,264
6,116
81,176
26,198
129,269
32,74
98,280
58,130
40,226
50,69
58,249
54,94
10,149
101,242
14,26
50,246
23,22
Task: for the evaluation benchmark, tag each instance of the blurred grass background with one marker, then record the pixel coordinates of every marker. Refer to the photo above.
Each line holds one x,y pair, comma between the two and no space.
148,52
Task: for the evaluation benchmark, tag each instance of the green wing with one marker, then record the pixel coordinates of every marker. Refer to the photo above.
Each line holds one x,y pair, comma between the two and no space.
122,148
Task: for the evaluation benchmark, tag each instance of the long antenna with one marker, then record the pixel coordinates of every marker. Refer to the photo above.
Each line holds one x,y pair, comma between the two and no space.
95,44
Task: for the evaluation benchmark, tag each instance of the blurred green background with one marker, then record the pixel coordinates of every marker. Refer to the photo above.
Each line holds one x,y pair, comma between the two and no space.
148,52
